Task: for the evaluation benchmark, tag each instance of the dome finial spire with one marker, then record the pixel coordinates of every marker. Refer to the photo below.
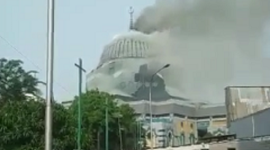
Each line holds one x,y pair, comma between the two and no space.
131,11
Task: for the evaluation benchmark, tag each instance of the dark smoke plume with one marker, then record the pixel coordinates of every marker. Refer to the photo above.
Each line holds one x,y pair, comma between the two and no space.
211,44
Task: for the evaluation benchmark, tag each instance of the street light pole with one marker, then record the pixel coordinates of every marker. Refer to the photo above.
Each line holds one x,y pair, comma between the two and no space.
49,74
150,101
80,68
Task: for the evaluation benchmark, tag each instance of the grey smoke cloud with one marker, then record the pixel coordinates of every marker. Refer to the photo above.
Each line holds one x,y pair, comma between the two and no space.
211,44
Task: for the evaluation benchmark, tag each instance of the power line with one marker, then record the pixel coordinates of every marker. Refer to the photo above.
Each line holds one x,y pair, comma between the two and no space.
37,67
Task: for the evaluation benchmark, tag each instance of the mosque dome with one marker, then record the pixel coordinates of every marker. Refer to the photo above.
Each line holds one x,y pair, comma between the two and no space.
128,45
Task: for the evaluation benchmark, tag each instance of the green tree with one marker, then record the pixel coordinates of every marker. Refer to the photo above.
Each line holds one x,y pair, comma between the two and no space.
121,120
15,82
22,126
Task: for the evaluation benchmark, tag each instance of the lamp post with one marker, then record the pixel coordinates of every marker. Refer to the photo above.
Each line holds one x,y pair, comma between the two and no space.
150,101
49,74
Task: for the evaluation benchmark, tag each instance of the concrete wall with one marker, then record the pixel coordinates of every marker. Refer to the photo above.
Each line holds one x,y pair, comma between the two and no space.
239,145
243,127
242,101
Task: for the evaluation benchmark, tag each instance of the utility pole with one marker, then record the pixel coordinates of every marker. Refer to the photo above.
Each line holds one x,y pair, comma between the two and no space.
80,68
49,74
150,101
107,127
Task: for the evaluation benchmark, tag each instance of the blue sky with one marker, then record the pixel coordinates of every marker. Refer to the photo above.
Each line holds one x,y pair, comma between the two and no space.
82,28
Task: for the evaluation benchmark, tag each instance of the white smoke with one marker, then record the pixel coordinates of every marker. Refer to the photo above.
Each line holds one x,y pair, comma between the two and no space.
210,44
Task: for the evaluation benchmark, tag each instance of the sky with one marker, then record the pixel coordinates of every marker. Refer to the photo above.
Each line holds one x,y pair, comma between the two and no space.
82,28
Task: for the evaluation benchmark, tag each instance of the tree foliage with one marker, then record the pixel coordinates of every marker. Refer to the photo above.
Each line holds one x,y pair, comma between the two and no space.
22,126
15,82
121,120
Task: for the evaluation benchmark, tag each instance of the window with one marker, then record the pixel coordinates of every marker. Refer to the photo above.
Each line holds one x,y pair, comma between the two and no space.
182,124
191,126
